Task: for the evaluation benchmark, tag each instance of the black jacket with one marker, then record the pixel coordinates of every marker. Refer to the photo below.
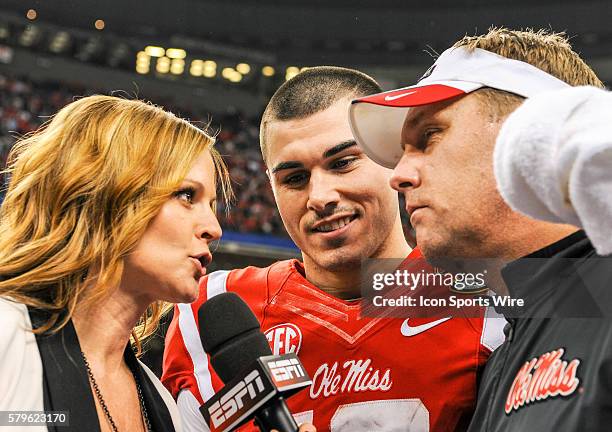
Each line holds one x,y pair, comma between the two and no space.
66,385
554,372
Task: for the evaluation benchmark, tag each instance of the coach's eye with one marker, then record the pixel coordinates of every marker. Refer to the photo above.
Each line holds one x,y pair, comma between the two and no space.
426,137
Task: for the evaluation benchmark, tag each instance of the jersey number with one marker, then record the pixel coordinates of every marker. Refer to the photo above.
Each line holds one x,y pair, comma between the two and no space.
393,415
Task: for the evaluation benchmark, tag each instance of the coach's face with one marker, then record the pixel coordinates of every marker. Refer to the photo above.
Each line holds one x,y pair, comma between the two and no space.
334,201
446,176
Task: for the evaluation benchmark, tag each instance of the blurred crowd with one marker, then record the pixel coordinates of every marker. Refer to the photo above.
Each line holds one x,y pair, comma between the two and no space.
25,105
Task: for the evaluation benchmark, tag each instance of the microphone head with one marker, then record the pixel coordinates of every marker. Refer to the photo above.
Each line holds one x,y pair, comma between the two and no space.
230,334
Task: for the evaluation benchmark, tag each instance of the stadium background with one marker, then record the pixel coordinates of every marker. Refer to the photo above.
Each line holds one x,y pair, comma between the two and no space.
218,62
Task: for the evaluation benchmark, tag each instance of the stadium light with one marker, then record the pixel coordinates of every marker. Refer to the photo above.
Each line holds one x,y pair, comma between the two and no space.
267,71
196,68
243,68
227,72
59,42
31,14
28,36
210,69
142,68
155,51
177,66
176,53
144,61
163,65
99,24
291,72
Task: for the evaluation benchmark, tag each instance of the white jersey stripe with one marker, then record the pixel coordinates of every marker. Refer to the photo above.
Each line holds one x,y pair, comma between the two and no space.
191,335
492,329
216,283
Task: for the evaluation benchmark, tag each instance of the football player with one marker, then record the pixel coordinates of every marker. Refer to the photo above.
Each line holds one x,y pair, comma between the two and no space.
370,372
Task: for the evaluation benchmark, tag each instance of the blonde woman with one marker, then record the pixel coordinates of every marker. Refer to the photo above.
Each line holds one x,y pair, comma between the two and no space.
109,214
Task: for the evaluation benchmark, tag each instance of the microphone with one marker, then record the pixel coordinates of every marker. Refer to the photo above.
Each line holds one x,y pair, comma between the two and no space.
256,382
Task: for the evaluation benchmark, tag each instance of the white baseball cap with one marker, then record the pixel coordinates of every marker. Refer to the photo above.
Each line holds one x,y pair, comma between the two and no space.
377,120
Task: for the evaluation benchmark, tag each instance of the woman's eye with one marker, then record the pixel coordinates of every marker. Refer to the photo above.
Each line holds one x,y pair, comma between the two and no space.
186,194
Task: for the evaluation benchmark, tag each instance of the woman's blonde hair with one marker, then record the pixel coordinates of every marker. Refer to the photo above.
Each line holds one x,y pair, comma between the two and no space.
82,191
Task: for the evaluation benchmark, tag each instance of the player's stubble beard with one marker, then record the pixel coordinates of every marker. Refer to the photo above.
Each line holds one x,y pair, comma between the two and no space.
339,258
333,259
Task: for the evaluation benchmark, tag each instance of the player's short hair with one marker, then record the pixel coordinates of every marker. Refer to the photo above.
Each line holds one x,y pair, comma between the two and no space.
312,91
548,51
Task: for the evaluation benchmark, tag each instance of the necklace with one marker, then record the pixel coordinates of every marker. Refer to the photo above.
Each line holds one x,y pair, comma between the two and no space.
143,408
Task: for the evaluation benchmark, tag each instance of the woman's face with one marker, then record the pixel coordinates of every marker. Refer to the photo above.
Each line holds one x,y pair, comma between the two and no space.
173,253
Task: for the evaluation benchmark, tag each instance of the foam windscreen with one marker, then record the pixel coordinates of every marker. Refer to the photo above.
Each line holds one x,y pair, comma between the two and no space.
230,334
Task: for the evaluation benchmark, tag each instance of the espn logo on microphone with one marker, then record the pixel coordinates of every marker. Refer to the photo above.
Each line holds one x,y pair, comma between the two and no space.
284,370
235,399
237,402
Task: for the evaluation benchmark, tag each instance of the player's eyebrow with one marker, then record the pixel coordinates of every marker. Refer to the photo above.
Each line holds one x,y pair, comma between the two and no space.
327,154
338,148
287,165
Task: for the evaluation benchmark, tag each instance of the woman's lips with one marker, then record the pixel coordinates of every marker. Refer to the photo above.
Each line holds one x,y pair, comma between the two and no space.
201,270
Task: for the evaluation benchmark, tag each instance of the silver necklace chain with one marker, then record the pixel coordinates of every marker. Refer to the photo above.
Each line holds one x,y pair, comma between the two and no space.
94,384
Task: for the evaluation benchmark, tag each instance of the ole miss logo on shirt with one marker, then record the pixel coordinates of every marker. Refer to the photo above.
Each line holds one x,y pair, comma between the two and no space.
542,378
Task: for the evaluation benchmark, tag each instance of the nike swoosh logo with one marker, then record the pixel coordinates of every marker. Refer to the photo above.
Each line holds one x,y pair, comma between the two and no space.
392,98
408,330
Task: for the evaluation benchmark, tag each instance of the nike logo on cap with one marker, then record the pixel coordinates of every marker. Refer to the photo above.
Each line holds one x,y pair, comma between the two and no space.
408,330
392,98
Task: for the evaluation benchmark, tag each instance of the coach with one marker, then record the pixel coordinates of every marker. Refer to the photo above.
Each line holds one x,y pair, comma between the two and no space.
554,371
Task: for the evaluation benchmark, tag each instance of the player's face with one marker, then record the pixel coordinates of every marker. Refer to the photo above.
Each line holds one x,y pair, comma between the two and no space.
170,258
446,176
334,201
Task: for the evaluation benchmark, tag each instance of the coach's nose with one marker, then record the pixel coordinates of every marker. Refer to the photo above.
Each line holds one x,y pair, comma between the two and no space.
405,174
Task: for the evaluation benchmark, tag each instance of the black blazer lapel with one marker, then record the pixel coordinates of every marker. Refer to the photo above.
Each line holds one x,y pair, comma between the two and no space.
158,413
65,382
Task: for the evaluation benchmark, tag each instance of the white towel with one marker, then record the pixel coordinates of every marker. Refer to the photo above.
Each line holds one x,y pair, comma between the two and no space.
553,160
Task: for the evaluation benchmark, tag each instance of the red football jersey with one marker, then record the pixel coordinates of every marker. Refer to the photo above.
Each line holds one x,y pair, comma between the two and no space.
369,374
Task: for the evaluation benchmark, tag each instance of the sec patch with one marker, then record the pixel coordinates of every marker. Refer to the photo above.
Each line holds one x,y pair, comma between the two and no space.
284,338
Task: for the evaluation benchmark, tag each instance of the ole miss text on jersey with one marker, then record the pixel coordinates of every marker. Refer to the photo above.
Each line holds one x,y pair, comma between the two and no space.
369,373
